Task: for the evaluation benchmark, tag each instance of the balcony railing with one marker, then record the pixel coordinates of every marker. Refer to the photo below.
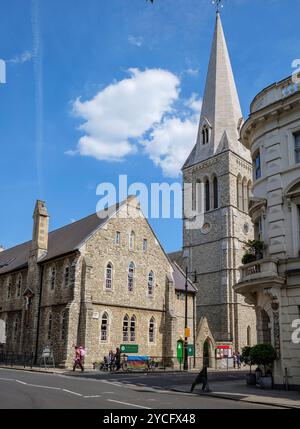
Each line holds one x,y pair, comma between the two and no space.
264,268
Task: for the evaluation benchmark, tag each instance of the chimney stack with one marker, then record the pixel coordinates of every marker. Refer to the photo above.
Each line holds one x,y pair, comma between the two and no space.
40,229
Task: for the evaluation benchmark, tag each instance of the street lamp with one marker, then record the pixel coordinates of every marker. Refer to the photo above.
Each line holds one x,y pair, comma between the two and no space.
186,255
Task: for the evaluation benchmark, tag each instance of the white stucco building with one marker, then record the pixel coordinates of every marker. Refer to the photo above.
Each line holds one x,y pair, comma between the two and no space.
272,284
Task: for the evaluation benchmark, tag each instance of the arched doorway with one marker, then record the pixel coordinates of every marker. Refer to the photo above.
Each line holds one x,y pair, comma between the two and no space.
207,355
263,327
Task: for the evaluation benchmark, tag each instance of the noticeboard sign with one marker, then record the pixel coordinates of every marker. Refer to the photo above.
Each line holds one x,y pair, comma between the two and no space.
129,348
191,350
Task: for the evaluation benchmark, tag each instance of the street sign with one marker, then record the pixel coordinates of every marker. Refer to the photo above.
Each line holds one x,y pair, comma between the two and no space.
187,332
129,348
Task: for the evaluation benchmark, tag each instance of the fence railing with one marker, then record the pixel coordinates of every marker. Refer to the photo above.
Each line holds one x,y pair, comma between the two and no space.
16,359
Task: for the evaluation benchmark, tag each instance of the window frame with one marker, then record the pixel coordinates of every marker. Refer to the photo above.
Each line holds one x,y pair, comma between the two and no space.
297,147
125,329
104,328
130,277
108,268
152,331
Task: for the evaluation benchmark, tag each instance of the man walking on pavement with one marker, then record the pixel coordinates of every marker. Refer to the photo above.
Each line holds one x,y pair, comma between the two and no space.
201,378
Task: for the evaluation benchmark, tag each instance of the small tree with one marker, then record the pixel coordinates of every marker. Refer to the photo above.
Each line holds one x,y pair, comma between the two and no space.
246,358
254,251
263,354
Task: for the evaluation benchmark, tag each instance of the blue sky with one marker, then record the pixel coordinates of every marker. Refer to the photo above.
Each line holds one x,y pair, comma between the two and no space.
131,76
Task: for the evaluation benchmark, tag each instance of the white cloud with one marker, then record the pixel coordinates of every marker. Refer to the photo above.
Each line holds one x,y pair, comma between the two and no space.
192,72
139,112
22,58
136,41
172,140
124,111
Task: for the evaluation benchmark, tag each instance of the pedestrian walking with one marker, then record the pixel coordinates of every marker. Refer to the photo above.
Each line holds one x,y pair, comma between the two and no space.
118,358
78,360
234,360
202,377
238,360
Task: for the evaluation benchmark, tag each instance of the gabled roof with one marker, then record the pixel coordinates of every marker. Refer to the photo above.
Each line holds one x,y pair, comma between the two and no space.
179,280
60,241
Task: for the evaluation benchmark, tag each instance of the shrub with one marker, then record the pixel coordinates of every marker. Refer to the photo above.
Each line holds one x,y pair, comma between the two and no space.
263,354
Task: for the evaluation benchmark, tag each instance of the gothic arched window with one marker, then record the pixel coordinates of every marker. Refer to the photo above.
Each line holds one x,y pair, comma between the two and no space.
205,135
52,278
104,327
150,283
19,286
239,192
249,336
109,276
216,193
131,276
152,330
132,329
49,326
207,195
66,276
125,328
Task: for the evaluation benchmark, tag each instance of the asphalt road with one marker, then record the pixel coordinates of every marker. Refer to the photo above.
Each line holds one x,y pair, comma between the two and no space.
26,390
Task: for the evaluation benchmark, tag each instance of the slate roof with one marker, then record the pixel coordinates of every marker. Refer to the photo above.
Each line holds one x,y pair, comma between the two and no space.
60,241
179,280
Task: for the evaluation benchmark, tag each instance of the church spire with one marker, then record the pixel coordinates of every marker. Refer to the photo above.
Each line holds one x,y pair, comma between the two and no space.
221,114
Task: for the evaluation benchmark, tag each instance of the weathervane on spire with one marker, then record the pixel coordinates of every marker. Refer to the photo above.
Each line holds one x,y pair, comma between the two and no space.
218,4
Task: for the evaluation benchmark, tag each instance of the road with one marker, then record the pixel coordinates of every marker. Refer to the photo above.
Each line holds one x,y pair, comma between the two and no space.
29,390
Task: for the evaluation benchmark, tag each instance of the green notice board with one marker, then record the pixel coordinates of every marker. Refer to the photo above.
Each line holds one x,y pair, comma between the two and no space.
129,348
191,350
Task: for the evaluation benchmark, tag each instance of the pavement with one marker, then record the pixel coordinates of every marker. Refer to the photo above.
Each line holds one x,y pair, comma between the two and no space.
34,390
228,386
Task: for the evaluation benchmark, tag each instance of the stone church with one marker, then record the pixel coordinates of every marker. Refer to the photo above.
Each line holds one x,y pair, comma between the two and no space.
101,282
223,167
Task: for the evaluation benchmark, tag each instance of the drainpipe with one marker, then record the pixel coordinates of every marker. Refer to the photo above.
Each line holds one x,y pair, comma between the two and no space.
39,316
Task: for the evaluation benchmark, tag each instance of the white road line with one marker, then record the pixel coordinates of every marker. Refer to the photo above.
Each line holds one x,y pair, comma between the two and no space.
7,379
126,403
72,393
92,396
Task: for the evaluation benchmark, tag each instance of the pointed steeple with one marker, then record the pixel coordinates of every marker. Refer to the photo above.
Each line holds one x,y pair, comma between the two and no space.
221,114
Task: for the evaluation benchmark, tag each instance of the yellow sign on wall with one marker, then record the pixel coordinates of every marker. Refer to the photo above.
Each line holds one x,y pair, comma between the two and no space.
187,332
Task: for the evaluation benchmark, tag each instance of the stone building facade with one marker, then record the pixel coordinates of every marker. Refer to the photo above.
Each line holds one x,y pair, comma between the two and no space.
100,282
272,284
219,170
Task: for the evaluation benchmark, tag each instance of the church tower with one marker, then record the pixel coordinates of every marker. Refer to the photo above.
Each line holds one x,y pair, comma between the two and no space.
222,166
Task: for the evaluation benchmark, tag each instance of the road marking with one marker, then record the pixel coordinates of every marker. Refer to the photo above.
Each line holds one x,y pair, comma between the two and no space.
92,396
72,393
131,405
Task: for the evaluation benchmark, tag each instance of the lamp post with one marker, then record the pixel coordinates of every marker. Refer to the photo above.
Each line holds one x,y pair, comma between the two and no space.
186,327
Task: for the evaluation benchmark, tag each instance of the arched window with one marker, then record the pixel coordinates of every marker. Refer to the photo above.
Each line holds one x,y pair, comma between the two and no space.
49,326
9,287
152,330
19,286
205,135
104,327
257,166
249,336
150,283
66,276
64,324
109,276
125,328
216,193
131,240
245,195
207,195
240,192
16,328
53,278
132,329
131,269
